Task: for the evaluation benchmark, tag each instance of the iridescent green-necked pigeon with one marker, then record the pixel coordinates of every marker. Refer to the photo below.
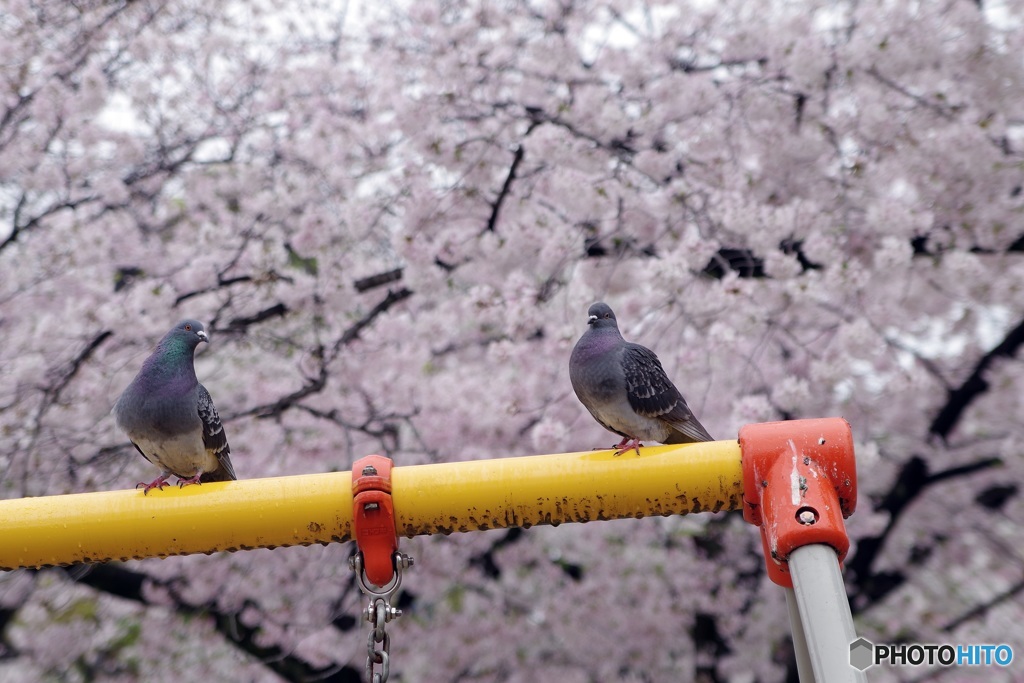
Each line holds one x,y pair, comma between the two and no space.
625,388
169,416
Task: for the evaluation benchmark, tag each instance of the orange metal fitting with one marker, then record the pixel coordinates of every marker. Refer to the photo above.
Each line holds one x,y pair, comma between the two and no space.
799,483
373,517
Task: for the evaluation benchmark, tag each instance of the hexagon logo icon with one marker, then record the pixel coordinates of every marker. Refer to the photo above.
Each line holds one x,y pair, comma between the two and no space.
862,653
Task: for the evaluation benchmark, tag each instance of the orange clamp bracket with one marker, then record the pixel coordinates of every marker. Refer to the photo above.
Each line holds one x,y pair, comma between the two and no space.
799,483
373,517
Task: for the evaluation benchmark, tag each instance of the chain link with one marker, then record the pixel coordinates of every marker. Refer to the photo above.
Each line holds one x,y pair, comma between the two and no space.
378,634
379,612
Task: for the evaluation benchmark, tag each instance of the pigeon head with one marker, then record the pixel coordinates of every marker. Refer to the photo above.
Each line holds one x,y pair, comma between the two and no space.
173,355
600,315
189,331
182,340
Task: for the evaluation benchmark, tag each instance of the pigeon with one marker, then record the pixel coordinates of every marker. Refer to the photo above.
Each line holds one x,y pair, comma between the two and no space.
169,416
625,388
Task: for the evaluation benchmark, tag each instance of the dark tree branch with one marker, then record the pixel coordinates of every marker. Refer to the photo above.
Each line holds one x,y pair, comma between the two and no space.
7,650
367,283
960,398
124,583
80,52
745,263
387,430
741,261
506,187
911,482
995,497
485,561
946,111
964,470
710,646
164,163
982,609
690,66
444,265
71,369
278,310
11,116
17,229
313,386
221,283
620,148
316,384
1018,244
352,333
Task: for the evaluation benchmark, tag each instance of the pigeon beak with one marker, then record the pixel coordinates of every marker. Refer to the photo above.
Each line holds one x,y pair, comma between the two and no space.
202,336
591,320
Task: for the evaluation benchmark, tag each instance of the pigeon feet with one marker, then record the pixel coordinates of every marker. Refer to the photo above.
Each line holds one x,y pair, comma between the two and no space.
159,483
190,480
627,444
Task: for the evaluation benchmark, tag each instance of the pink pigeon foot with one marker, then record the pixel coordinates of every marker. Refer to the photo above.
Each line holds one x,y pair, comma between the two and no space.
159,483
190,480
627,444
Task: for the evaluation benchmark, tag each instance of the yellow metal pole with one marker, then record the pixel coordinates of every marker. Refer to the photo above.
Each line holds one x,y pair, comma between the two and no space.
572,487
118,525
317,508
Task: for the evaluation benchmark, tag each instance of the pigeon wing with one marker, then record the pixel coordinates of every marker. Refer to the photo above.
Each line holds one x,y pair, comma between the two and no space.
214,437
652,394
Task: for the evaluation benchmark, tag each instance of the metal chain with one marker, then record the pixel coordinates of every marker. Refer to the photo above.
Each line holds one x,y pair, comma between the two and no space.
378,634
379,612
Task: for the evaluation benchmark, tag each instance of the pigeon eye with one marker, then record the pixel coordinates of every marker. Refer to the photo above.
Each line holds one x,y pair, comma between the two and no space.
188,327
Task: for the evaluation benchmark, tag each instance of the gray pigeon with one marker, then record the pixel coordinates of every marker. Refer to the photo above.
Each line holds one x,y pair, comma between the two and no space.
169,416
625,388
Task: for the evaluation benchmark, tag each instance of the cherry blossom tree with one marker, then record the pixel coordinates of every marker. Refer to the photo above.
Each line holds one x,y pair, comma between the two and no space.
392,218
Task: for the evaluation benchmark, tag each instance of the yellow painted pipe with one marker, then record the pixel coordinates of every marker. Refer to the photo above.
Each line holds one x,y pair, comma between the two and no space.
118,525
571,487
317,508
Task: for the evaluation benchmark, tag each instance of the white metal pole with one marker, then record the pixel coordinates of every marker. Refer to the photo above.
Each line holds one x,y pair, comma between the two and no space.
803,659
825,613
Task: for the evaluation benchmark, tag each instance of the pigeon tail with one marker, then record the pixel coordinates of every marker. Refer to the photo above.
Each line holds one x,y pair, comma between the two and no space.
690,431
223,473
